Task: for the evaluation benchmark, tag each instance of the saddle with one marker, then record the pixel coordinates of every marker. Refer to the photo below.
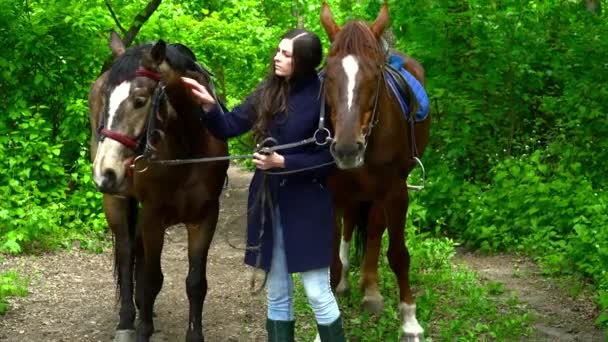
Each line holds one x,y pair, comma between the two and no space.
407,89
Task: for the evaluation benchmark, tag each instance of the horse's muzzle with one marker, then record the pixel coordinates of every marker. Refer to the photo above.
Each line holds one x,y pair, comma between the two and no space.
348,156
107,181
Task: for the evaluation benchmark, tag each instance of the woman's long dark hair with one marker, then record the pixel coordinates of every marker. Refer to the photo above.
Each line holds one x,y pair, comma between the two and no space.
271,97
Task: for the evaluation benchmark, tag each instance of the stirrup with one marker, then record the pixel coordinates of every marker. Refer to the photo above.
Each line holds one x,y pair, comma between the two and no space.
422,178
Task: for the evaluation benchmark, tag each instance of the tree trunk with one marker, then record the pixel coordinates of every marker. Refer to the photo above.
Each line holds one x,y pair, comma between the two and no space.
297,13
593,6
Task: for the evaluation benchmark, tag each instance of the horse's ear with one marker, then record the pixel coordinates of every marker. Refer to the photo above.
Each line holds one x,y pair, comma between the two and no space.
159,51
328,22
381,22
116,44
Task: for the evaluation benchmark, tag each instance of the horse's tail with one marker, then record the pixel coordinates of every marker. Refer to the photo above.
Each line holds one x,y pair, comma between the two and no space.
360,231
135,245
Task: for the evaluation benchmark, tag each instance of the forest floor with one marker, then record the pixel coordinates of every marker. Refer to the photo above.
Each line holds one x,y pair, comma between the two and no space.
72,294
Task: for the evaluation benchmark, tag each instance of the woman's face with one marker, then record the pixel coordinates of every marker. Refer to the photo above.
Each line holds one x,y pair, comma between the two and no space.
283,59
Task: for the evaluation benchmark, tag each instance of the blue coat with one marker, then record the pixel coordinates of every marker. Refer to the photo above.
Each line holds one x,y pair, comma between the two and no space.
305,203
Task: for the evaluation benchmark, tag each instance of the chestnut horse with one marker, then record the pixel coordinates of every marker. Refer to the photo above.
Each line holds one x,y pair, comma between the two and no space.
374,146
139,112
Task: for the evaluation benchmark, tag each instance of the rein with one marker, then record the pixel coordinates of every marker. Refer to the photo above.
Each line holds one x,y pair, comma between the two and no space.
321,136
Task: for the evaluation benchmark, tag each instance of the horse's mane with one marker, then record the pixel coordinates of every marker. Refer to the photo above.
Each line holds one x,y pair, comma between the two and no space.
179,56
182,59
127,63
356,38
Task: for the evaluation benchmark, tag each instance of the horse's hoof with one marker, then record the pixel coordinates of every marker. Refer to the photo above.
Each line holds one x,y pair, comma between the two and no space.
194,336
124,336
412,338
373,305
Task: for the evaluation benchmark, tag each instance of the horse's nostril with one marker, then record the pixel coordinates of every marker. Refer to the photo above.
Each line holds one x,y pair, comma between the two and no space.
109,176
360,146
108,181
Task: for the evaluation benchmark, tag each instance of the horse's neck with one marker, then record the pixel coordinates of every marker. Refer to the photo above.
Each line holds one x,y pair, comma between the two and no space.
182,136
186,133
391,121
389,138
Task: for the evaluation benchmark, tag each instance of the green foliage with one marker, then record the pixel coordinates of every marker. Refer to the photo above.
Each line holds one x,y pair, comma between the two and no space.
549,211
517,159
11,285
45,123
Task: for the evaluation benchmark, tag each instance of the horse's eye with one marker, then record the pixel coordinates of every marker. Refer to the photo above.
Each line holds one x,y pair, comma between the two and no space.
139,102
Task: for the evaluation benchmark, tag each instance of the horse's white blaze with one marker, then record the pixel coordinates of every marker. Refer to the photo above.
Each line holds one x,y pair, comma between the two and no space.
108,154
343,284
351,67
410,323
119,94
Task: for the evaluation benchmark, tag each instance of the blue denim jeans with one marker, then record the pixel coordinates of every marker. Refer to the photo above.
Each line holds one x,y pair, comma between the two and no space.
279,286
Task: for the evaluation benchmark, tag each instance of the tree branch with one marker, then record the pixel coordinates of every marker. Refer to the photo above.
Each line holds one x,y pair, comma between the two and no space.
115,17
139,21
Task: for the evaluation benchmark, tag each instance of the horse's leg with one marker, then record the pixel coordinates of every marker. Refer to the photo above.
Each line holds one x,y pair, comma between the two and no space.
372,299
350,218
199,241
139,270
121,216
399,260
149,276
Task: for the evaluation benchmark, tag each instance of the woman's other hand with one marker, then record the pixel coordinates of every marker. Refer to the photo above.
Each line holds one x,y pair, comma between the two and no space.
200,93
265,162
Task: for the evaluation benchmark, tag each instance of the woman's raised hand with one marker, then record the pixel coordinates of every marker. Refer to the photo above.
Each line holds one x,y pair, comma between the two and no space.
200,93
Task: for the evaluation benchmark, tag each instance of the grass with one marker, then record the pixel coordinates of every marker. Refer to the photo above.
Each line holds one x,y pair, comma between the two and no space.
452,304
11,284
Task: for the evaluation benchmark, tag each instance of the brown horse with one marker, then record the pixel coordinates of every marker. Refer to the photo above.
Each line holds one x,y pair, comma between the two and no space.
374,151
140,111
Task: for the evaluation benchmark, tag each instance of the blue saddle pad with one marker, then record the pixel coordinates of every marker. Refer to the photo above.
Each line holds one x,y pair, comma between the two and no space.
418,91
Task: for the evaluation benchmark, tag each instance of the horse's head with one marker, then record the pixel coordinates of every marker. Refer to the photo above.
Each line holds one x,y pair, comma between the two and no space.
127,93
135,107
353,75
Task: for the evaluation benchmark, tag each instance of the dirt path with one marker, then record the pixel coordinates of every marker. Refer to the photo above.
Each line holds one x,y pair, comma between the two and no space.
72,293
558,317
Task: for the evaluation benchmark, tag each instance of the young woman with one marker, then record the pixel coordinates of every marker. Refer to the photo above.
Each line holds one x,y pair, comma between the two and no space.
291,231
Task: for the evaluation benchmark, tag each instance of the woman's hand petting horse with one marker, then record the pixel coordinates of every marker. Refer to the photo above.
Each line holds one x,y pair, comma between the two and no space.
261,161
200,93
